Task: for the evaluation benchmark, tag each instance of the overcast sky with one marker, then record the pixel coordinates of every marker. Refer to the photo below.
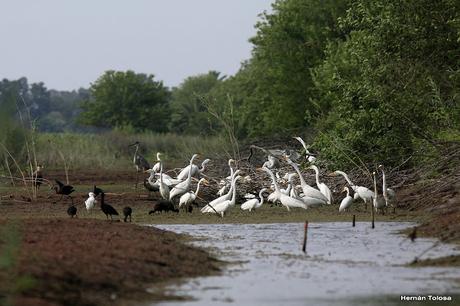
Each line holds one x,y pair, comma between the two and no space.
68,44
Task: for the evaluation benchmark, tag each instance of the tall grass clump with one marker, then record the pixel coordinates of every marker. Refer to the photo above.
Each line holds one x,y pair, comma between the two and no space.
110,150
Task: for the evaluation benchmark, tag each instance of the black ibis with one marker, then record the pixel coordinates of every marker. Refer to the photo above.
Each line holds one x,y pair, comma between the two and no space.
97,191
163,205
72,211
37,177
127,211
107,209
63,190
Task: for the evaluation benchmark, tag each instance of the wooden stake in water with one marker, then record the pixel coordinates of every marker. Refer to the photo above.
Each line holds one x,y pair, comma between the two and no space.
354,219
304,247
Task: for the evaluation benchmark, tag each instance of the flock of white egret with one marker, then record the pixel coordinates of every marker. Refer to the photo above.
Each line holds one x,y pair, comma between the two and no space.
179,189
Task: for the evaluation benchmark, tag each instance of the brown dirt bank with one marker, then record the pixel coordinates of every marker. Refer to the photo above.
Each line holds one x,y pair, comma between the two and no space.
94,262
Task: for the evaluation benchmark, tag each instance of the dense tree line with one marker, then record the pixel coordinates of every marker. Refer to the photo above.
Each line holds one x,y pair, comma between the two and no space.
377,80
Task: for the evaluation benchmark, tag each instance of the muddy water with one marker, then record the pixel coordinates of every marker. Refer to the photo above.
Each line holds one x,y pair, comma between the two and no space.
343,265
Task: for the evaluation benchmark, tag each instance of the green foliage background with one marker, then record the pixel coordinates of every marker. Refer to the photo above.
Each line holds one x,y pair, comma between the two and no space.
371,81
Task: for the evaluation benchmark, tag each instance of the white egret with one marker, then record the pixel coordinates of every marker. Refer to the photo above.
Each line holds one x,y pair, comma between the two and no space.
322,186
90,201
222,207
184,186
168,180
227,181
164,189
254,203
285,200
347,201
195,170
360,191
156,167
190,197
379,203
388,193
309,157
309,192
223,198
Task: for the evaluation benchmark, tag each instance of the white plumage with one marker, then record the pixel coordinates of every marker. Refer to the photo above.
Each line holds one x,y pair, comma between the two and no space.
347,201
254,203
90,201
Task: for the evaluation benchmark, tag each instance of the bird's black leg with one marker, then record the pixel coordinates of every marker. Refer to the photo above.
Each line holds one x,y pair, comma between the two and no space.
129,218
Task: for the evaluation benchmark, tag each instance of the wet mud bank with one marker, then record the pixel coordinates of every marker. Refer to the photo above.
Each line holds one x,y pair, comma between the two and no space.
94,262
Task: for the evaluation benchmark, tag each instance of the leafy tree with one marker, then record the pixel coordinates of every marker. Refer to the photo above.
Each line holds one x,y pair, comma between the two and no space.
188,114
392,85
289,43
127,99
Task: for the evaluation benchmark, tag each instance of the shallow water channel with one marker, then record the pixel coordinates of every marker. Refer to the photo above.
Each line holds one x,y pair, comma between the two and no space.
344,265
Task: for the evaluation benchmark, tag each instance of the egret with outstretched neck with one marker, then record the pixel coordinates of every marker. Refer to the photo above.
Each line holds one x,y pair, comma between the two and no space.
184,186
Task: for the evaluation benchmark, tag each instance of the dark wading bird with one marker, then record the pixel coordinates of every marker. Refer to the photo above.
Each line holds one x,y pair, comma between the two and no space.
107,209
127,211
139,161
38,177
97,191
72,211
63,190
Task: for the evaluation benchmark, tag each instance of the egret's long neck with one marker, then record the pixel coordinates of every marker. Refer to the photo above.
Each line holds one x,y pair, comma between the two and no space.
384,183
161,173
277,189
189,178
348,192
234,190
317,176
135,153
198,187
375,188
302,181
261,197
346,177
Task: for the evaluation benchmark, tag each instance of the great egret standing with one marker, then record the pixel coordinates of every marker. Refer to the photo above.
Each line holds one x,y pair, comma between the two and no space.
184,186
222,207
285,200
388,193
347,201
322,186
223,198
360,191
194,170
254,203
379,203
309,192
189,197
